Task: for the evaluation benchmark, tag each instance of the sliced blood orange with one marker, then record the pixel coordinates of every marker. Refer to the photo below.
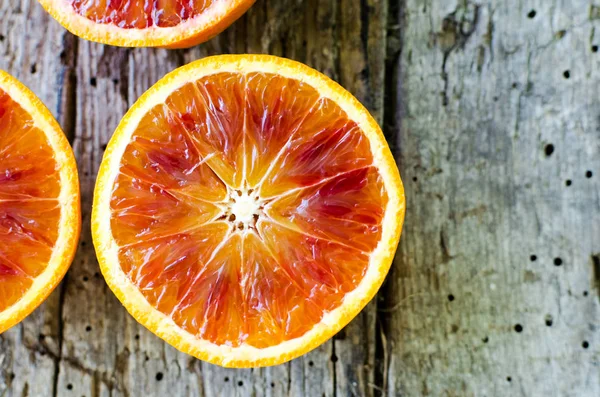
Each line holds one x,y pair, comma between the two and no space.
246,209
146,23
39,202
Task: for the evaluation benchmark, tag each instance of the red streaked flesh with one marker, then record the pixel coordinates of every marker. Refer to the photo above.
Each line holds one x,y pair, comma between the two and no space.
246,208
29,209
140,14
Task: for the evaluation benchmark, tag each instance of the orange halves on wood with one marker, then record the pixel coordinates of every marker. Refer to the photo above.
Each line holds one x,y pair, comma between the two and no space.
143,23
246,209
39,202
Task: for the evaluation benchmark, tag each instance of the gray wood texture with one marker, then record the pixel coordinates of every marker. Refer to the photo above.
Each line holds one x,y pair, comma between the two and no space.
492,109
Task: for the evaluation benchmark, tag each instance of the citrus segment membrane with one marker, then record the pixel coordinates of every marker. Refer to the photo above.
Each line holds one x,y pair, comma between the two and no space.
140,14
29,206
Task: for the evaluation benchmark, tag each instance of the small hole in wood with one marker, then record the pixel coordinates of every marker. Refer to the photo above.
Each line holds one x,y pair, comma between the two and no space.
137,337
69,387
508,379
159,376
519,328
588,174
334,358
85,279
531,14
549,149
103,147
515,85
272,384
450,297
568,182
548,320
88,328
415,179
567,74
226,379
240,383
585,344
558,262
12,376
93,82
33,68
585,293
115,81
97,275
486,339
2,37
594,48
83,243
310,363
533,258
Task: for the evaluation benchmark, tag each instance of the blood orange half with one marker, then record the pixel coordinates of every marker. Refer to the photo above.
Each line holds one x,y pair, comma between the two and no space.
246,209
146,23
39,202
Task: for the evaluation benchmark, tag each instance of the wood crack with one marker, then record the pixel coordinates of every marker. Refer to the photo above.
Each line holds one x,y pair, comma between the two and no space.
457,27
60,333
392,118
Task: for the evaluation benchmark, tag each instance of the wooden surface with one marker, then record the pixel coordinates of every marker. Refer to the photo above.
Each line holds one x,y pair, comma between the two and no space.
473,96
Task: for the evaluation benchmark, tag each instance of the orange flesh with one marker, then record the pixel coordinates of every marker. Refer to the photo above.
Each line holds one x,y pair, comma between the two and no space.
306,171
140,14
29,207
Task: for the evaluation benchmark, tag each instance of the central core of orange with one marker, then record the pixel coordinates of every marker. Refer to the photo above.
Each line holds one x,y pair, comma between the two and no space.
243,208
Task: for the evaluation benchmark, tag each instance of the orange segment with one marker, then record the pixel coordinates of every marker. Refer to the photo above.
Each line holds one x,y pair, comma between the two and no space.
212,307
347,209
211,111
326,144
39,202
246,209
170,264
277,307
146,23
313,265
276,108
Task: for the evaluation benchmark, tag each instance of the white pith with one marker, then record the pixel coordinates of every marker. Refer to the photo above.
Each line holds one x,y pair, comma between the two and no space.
243,208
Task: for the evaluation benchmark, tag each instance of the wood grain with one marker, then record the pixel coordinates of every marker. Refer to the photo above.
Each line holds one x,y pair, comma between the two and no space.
470,95
483,91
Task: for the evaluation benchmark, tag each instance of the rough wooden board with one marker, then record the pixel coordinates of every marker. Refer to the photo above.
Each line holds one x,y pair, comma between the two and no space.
486,197
483,90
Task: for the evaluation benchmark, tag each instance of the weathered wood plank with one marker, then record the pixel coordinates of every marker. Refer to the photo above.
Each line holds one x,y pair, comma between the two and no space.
474,92
479,303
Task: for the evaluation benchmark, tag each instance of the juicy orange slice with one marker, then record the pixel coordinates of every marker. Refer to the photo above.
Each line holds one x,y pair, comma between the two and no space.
246,209
145,23
39,202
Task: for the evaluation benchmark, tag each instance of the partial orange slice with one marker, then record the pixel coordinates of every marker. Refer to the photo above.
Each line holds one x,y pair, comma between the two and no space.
246,209
39,202
146,23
